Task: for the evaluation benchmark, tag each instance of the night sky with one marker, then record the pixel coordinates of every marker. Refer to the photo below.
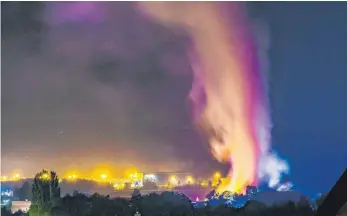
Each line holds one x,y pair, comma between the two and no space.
89,84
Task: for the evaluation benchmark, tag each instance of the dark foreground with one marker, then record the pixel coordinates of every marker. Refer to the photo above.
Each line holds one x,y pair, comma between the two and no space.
165,204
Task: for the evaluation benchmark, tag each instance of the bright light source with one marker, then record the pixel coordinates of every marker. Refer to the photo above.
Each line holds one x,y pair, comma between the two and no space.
118,186
150,177
190,180
72,177
173,180
45,176
4,178
16,176
103,176
217,175
204,183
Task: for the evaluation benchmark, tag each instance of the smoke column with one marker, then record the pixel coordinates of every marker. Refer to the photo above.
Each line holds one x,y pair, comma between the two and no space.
228,94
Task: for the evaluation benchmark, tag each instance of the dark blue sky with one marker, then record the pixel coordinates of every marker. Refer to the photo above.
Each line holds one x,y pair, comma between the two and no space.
76,92
309,89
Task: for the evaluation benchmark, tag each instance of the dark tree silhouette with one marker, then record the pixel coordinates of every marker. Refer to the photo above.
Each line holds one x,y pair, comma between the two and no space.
46,193
25,192
165,204
5,212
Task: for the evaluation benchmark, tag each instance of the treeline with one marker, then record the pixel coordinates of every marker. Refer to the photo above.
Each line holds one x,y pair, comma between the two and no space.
165,204
46,201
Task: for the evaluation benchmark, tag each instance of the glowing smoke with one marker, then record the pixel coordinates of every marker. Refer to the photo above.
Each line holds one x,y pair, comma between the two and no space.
228,93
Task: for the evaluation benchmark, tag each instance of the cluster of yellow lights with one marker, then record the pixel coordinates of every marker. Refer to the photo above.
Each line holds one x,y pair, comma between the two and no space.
104,177
119,186
72,177
14,177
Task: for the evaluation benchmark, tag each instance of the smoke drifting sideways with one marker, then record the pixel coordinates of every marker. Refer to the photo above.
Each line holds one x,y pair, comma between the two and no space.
228,93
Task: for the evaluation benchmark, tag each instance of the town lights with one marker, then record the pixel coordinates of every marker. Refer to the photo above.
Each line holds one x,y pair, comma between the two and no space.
103,176
16,176
72,177
150,177
217,175
119,186
173,180
190,180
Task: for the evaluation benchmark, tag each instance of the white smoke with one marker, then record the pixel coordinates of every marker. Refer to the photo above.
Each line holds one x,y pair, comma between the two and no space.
285,187
271,168
270,165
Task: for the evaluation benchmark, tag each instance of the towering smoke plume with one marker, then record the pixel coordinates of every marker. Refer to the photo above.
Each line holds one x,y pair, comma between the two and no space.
228,94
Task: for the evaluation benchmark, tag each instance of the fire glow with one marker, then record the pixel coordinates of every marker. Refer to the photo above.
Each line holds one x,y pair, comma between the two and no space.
228,95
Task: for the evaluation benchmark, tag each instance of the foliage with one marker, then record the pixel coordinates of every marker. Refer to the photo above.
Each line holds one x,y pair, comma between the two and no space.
320,200
46,201
76,205
167,203
343,210
96,205
24,192
46,193
136,194
149,185
5,211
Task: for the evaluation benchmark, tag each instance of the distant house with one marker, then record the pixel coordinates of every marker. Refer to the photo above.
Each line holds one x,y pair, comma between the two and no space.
20,205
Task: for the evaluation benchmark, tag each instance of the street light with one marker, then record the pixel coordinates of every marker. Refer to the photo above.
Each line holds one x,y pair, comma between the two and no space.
217,175
103,176
16,176
190,180
45,176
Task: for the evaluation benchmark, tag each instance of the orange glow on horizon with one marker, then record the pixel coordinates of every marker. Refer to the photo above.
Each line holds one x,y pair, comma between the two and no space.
103,176
16,177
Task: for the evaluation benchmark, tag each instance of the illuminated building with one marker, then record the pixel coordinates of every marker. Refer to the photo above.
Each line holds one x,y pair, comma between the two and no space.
164,178
20,205
150,178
